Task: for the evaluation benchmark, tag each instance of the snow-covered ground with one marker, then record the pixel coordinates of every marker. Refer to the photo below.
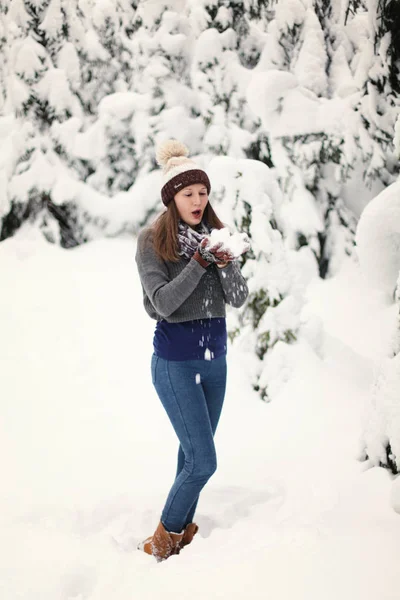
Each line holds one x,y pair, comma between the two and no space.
88,454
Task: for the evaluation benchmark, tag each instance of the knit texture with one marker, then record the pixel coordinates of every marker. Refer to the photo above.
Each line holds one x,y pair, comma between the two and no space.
179,170
182,180
189,239
184,290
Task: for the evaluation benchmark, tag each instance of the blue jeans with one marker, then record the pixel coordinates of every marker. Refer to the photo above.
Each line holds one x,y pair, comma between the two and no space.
192,393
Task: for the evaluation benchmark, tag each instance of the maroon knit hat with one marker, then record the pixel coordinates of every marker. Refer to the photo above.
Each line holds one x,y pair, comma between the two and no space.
179,170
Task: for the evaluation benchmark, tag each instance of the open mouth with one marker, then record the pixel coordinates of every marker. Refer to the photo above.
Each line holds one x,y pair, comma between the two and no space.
196,213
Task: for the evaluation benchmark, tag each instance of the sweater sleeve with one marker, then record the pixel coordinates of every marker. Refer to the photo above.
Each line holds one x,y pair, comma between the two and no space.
165,295
233,284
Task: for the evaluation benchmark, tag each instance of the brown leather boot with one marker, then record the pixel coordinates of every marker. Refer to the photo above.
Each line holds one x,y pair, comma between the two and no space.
162,544
188,534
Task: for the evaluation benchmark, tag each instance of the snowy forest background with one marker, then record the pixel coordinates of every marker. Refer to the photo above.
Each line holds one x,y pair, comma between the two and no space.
290,105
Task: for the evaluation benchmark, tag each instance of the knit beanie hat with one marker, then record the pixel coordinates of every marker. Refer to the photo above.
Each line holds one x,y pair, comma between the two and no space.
179,171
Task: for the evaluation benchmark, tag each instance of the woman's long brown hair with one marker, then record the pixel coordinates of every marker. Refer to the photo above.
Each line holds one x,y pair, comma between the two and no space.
165,230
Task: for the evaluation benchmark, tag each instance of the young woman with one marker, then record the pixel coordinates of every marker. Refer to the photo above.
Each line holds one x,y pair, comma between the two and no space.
186,285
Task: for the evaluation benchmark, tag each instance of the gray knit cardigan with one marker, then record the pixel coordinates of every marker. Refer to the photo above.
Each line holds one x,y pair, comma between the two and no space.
184,290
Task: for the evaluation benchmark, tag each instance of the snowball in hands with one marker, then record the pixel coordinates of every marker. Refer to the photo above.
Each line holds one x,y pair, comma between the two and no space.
235,243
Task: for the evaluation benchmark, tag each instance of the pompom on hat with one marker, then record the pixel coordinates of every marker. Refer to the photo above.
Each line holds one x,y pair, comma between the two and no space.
178,169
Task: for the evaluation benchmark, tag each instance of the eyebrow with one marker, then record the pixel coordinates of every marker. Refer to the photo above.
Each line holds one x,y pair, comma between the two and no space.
189,189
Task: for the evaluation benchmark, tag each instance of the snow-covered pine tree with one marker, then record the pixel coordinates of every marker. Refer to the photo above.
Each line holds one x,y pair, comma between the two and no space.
248,198
57,71
108,64
379,102
385,16
38,93
312,120
227,48
378,249
294,70
378,243
104,45
157,103
319,109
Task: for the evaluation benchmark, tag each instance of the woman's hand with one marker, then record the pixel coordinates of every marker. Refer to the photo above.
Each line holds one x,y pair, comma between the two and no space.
222,255
216,253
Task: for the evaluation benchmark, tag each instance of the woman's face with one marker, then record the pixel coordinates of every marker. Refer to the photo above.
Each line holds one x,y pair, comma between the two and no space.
191,202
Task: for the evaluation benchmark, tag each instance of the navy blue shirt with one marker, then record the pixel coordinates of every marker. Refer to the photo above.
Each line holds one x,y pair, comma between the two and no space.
203,339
